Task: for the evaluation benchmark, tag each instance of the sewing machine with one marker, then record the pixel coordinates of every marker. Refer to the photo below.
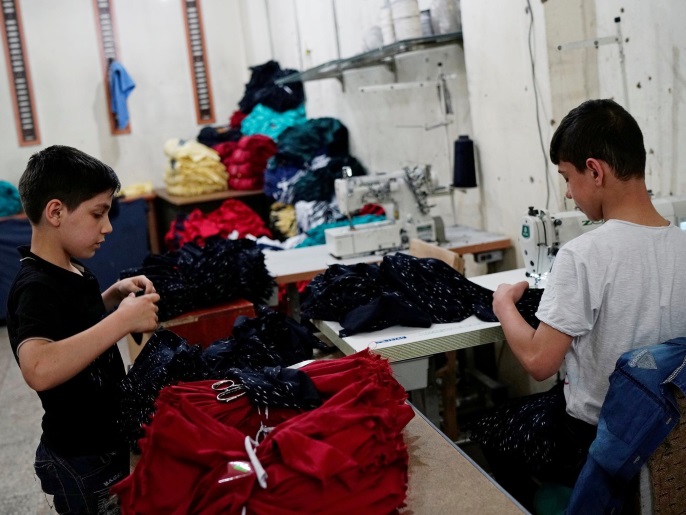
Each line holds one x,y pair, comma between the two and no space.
544,233
404,197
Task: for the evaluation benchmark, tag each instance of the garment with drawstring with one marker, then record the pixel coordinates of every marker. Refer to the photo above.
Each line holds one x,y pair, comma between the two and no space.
269,340
354,443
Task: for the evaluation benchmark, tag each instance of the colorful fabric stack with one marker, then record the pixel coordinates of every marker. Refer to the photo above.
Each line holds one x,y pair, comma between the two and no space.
10,204
247,161
193,169
198,277
201,455
266,121
232,215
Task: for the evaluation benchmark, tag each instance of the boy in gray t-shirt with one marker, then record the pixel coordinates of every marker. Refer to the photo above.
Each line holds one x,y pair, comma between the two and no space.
612,289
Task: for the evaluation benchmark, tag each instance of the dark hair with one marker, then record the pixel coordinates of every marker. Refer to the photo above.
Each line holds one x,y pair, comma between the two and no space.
64,173
600,129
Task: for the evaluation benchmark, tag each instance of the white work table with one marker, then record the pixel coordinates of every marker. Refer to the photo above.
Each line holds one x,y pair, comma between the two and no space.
399,343
289,266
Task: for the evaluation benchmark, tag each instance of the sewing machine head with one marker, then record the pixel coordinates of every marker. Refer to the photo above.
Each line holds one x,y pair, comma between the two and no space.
542,233
404,196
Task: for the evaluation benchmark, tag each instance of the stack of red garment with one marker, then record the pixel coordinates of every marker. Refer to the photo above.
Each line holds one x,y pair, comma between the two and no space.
232,215
347,456
246,160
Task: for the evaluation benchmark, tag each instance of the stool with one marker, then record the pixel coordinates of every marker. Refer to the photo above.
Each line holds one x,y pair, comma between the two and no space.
202,326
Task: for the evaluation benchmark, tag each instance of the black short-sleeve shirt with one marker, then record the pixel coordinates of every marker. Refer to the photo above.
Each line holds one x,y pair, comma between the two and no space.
51,303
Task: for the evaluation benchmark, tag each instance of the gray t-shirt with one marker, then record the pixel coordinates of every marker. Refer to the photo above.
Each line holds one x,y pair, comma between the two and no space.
616,288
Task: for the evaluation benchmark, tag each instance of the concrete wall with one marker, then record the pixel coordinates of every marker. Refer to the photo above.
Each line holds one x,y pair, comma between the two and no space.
491,86
63,53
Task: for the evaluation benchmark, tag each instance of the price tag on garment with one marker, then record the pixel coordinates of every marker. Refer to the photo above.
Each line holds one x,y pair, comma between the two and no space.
237,470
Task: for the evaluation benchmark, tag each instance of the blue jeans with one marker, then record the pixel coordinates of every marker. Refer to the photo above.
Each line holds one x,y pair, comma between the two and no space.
81,484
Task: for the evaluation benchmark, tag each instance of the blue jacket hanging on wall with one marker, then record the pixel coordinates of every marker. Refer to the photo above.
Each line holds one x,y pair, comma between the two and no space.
121,86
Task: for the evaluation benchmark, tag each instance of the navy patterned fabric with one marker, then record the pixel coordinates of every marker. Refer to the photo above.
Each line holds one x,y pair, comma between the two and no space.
434,289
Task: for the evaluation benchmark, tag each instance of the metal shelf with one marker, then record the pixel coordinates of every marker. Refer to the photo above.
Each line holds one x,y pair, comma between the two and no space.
381,55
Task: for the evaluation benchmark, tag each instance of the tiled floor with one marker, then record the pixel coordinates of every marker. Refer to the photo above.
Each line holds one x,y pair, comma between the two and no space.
20,430
20,417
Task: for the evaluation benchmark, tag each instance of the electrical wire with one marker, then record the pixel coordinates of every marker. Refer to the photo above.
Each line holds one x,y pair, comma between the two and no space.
536,101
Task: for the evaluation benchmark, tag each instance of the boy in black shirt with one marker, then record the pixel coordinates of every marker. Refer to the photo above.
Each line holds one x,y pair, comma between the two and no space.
61,335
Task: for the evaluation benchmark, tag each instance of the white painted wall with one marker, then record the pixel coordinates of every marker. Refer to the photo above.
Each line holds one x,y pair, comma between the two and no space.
63,54
493,93
496,99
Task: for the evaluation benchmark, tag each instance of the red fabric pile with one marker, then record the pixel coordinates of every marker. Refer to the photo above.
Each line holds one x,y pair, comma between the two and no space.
246,160
236,119
198,226
347,456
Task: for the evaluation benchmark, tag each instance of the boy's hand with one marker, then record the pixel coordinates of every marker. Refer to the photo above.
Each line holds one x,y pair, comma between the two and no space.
133,285
507,294
140,312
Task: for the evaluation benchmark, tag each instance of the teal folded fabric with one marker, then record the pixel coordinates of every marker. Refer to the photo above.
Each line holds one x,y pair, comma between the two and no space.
10,204
266,121
315,236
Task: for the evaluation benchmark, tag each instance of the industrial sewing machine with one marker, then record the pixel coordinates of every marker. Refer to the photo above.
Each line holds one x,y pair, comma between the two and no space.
544,233
404,197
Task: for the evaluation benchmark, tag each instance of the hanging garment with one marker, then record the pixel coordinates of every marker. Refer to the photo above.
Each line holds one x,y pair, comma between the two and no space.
638,413
121,86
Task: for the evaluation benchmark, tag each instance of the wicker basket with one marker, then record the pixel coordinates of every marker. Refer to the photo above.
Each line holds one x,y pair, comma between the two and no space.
667,468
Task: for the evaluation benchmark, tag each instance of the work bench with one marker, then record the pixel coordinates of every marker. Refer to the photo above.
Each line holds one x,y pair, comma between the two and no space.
291,266
303,264
409,348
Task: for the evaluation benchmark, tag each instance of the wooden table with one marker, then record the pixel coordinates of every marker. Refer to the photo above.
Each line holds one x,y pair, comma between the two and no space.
290,266
408,348
444,480
182,200
400,343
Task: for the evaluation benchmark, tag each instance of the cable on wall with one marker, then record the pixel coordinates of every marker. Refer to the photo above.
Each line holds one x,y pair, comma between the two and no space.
536,101
200,71
104,20
19,74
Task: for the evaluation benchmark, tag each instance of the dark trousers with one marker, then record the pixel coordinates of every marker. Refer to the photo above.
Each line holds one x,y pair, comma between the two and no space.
81,484
530,440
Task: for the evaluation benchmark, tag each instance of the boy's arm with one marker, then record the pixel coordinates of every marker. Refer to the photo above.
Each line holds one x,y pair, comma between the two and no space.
46,364
540,351
113,295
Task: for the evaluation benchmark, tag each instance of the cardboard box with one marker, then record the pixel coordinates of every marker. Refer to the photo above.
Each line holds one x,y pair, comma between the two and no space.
201,326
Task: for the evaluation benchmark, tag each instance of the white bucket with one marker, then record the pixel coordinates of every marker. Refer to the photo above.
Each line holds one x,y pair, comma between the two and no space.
386,24
406,21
